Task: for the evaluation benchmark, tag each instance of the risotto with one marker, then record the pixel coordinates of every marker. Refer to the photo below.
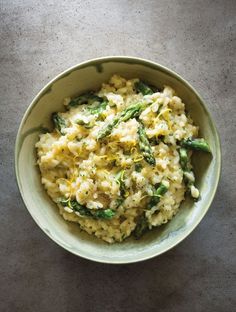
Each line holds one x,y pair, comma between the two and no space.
118,161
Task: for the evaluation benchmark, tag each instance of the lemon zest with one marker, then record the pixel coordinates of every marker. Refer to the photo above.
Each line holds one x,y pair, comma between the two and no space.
163,112
138,158
102,156
144,197
122,176
63,179
126,194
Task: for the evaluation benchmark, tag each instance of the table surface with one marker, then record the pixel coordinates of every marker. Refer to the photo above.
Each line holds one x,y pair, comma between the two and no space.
39,39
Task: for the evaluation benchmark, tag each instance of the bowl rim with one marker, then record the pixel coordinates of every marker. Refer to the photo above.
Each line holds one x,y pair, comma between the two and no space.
134,60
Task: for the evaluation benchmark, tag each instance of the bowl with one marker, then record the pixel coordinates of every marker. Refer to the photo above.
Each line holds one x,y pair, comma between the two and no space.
90,75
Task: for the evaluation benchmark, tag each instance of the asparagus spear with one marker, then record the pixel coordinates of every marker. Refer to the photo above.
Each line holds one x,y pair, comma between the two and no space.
87,125
59,122
143,88
160,191
132,111
85,98
142,224
94,110
108,129
145,146
188,174
104,214
196,144
84,211
98,109
141,227
183,155
74,205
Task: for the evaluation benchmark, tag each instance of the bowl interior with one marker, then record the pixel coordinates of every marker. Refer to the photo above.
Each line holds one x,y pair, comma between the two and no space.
91,75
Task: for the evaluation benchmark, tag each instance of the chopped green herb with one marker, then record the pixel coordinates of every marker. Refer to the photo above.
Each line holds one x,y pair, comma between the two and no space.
120,180
160,191
153,141
119,202
138,167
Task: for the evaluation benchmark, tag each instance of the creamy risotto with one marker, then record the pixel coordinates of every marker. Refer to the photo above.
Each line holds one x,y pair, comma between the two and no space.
118,160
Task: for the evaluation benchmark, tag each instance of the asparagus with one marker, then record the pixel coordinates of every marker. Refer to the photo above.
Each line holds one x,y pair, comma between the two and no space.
84,211
85,98
143,88
160,191
183,156
74,205
108,129
94,110
188,174
142,224
59,122
132,111
196,144
120,180
98,109
145,146
104,214
141,227
87,125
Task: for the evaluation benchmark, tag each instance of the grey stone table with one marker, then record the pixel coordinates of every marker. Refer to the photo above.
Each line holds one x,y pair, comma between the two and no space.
39,39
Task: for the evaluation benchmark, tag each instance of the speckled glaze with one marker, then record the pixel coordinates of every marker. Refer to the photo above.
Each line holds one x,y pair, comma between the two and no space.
90,75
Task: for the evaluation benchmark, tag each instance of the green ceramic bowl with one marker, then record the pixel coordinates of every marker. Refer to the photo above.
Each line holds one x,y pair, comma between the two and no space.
90,75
